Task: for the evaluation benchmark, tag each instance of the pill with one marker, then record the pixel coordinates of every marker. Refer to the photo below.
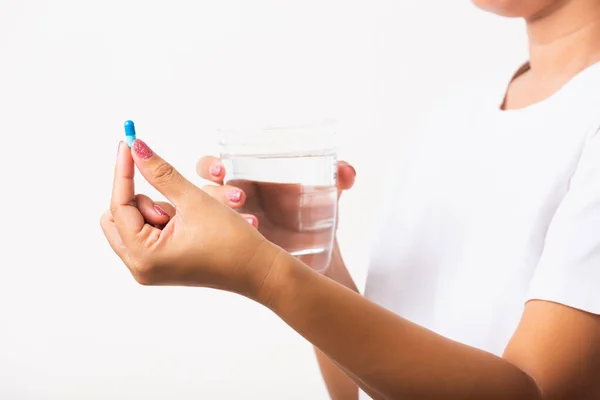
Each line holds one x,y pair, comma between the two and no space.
129,133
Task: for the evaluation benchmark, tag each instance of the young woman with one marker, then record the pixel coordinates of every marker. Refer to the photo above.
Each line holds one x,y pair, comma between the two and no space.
485,283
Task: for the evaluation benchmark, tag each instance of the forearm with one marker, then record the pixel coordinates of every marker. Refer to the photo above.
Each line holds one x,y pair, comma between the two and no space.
385,354
339,385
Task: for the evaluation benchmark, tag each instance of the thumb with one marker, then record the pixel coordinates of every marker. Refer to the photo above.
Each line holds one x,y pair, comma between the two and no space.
161,175
346,176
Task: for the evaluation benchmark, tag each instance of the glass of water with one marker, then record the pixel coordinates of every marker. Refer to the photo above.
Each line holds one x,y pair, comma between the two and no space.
289,176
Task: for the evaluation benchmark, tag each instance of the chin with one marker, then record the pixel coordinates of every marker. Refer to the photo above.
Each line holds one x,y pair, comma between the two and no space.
514,8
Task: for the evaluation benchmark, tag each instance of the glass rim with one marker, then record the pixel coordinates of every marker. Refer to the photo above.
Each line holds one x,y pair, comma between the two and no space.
243,135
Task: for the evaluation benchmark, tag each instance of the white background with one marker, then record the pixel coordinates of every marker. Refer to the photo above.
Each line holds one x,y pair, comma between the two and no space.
73,324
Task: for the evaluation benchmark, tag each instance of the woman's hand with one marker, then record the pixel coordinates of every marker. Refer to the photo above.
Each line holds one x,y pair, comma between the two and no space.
281,212
196,241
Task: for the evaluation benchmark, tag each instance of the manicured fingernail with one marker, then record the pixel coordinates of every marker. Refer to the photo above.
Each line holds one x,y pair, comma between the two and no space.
234,196
215,169
142,149
160,211
251,221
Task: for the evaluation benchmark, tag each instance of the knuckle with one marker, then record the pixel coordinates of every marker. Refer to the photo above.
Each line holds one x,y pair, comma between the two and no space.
164,172
113,208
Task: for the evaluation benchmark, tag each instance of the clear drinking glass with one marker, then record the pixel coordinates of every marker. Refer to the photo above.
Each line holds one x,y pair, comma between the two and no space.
289,176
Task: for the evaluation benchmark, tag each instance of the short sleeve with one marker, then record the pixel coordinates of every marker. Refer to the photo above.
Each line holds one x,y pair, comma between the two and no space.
569,268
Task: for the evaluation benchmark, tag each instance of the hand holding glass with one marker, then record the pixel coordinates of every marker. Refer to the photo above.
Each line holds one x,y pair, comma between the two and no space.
289,178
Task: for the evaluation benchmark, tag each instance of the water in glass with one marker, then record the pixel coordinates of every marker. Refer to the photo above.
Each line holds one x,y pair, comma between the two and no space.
294,197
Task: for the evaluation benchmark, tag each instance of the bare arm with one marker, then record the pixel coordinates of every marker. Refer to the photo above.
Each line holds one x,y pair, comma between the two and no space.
339,385
392,358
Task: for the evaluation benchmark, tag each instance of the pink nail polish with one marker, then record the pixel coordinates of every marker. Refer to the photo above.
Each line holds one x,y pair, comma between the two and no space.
215,169
142,149
160,211
234,196
251,221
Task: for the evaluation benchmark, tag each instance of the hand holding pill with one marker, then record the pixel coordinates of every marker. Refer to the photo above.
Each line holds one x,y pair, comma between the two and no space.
193,241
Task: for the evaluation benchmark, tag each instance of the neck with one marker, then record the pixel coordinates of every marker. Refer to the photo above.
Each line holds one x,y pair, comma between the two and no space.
565,39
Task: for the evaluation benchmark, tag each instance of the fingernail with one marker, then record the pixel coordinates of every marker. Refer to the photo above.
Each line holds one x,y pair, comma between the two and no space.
215,169
234,196
118,148
251,221
142,149
160,211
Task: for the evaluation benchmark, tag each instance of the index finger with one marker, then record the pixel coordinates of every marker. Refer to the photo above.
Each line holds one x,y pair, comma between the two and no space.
127,217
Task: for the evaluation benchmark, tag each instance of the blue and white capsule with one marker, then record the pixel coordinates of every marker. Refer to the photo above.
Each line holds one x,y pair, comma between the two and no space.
129,133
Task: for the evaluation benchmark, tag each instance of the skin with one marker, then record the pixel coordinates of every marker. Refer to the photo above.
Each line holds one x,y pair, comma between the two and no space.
554,353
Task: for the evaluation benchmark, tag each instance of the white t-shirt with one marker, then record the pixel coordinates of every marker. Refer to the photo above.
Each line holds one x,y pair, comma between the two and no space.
494,208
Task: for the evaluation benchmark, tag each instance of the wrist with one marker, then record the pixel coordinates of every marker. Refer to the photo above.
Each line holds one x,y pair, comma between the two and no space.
267,270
